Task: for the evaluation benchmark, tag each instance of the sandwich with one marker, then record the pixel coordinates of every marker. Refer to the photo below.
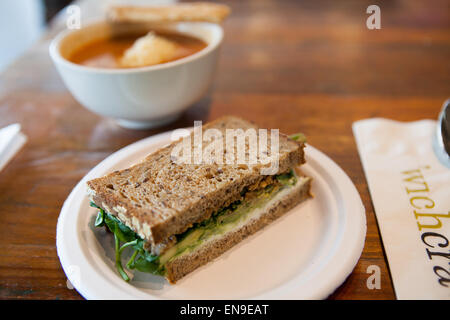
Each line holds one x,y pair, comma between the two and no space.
171,217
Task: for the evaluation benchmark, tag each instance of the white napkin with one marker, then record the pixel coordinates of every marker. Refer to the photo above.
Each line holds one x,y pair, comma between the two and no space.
11,140
410,191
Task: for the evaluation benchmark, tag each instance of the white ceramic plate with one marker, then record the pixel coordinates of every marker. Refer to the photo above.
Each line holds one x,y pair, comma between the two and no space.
306,254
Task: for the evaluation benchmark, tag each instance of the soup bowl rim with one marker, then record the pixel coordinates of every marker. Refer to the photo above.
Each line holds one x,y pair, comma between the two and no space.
54,49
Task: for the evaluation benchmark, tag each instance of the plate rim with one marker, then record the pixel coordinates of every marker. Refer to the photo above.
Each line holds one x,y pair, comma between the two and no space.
326,286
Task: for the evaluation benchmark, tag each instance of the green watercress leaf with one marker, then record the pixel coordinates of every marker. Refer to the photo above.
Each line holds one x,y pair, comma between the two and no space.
298,137
92,204
150,257
119,267
144,265
141,259
124,233
287,178
100,220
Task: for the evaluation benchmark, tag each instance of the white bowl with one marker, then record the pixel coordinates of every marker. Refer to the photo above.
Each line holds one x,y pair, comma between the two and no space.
143,97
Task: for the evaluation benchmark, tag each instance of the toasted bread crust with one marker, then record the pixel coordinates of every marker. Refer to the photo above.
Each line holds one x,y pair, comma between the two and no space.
187,263
158,198
197,11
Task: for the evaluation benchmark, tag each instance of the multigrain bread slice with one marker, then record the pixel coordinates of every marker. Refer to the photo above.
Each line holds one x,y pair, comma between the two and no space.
195,11
158,197
208,251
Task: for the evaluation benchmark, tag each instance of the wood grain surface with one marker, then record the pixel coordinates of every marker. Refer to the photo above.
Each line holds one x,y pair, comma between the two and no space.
309,66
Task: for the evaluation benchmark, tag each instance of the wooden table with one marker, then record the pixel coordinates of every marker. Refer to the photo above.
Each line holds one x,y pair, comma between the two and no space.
294,65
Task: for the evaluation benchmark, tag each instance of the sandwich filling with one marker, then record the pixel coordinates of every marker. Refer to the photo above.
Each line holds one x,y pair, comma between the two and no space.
145,259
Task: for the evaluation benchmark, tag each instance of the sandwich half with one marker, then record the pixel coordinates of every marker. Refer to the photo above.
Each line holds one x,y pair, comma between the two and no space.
176,217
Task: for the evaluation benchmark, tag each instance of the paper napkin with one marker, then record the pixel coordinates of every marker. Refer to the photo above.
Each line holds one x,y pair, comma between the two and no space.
410,191
11,140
